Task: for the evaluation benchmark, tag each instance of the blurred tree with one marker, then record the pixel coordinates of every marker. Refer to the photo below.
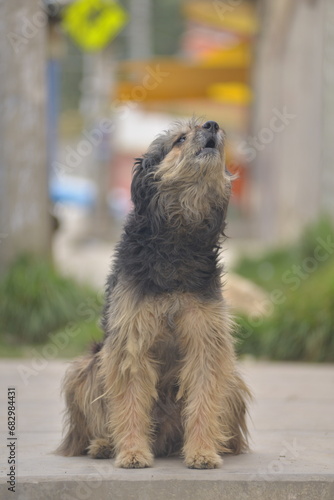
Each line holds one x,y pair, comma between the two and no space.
24,216
164,22
71,75
167,28
139,30
291,144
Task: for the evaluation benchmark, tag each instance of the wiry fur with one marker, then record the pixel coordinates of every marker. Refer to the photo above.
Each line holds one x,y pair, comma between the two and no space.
164,379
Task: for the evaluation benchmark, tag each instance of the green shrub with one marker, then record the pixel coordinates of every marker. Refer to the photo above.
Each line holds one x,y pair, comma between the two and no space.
267,270
35,300
302,326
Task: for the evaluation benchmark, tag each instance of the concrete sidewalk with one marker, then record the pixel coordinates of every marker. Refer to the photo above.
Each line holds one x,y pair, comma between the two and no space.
292,441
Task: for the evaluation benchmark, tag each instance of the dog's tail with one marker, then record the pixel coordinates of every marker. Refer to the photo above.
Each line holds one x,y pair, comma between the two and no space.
235,413
79,388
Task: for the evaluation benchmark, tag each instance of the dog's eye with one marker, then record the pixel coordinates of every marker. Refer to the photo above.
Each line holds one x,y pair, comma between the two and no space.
180,139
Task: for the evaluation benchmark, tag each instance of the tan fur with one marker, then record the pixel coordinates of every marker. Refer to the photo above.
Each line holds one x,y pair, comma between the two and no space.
180,178
112,400
85,419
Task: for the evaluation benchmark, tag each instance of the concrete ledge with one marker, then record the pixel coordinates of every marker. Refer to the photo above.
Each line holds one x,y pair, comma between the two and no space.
292,431
187,489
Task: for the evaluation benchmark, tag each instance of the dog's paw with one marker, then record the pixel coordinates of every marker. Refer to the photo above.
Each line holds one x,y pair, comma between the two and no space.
100,448
134,459
203,459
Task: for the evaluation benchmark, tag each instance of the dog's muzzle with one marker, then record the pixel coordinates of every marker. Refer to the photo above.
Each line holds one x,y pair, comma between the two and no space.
209,138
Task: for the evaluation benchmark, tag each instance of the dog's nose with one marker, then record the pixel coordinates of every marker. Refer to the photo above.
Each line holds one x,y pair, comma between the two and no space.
211,126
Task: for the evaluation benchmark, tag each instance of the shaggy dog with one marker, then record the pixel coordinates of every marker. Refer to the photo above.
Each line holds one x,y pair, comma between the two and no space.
164,379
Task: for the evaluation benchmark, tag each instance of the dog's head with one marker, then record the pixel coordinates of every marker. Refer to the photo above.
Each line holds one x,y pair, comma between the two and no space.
183,172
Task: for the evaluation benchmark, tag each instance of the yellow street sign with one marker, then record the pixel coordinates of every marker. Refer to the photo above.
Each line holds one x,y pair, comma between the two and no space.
93,23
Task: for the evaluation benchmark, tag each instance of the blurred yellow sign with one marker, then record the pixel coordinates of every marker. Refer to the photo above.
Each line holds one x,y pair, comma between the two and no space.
93,23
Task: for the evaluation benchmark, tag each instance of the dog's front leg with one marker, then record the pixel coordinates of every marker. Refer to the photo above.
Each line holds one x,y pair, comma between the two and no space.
130,377
208,360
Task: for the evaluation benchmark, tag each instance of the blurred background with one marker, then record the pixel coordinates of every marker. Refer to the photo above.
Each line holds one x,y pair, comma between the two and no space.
86,85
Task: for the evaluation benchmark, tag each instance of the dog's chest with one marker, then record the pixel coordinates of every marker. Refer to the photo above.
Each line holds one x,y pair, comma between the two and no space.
166,352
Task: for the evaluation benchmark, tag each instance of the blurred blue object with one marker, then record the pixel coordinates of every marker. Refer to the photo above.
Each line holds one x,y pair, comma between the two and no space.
73,190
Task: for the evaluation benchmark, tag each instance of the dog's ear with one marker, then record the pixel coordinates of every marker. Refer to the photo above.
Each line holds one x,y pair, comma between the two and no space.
142,186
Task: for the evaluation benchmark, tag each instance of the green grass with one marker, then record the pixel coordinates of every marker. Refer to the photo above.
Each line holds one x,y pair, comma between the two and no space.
38,305
301,326
70,341
268,270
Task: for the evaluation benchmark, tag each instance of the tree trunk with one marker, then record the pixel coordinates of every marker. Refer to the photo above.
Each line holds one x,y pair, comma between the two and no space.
24,215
